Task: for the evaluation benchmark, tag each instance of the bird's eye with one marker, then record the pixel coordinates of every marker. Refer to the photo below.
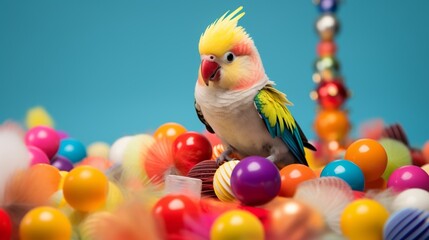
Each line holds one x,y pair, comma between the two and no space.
229,56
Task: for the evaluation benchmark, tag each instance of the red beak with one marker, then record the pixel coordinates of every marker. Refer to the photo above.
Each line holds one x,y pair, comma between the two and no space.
210,71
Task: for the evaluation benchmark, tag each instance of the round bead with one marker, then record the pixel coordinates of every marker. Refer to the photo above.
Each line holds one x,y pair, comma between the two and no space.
222,181
412,198
72,149
327,63
331,94
291,176
332,125
327,26
327,5
205,171
326,48
44,138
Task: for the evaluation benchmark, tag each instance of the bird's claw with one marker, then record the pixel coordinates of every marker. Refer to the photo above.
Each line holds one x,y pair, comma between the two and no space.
224,157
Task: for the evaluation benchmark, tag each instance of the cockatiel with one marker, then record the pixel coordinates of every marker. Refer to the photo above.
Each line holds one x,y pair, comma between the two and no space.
235,99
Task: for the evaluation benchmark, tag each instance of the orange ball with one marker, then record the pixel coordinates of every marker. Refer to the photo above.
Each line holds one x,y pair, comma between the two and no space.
85,188
170,131
49,175
291,176
370,156
45,223
332,125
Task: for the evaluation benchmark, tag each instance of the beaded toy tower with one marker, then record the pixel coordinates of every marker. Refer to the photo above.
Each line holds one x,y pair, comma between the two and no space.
331,123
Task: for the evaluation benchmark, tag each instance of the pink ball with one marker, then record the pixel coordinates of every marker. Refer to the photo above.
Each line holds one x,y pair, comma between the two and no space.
407,177
44,138
37,156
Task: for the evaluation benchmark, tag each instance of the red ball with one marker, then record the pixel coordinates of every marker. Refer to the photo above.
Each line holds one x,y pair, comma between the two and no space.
5,225
326,48
331,94
189,149
418,157
172,211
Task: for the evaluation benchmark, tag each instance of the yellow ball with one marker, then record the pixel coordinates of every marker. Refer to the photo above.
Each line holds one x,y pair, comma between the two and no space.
98,149
237,225
38,116
221,181
45,223
114,197
135,149
85,188
364,219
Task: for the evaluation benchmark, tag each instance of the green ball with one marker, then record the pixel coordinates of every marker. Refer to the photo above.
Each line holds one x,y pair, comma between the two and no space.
398,155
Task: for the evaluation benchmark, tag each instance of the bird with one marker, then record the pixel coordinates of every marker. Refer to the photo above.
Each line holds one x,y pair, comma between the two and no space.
235,99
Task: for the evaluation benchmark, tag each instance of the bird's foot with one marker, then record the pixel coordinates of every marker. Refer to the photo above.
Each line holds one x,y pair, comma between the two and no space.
224,156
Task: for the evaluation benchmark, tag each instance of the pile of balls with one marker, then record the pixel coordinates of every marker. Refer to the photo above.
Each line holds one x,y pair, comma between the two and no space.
93,192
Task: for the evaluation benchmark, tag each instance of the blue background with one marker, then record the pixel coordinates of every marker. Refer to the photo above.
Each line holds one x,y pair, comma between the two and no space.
105,69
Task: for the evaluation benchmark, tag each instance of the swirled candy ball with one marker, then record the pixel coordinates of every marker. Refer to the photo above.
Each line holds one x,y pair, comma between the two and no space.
255,181
346,170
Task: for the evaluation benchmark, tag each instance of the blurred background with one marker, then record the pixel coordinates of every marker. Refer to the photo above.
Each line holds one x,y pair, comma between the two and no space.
105,69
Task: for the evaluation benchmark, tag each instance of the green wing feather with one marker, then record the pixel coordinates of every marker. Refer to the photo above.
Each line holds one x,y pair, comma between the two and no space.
271,105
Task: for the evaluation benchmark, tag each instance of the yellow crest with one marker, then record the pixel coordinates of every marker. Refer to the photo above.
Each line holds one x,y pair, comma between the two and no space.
220,36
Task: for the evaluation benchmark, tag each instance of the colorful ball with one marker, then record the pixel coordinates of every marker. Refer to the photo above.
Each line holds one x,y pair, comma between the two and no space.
425,151
408,177
5,225
255,181
370,156
72,149
85,188
37,156
332,125
426,168
116,154
411,198
172,211
331,94
237,225
326,48
327,26
62,163
222,181
98,149
44,138
291,176
189,149
417,157
45,223
136,147
205,171
347,171
169,131
363,219
100,163
408,223
328,5
292,219
398,155
38,116
48,176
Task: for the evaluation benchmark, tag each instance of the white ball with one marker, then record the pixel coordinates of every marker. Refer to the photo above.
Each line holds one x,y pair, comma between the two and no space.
118,148
412,198
98,149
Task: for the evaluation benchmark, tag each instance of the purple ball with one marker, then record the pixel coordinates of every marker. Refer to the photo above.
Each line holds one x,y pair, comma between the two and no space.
255,181
62,163
407,177
328,5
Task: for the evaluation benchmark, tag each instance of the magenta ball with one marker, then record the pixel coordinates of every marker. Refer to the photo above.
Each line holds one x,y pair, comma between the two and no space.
407,177
62,163
44,138
255,181
37,156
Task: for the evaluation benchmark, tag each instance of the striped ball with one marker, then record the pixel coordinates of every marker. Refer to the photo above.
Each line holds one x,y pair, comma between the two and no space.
205,171
221,181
